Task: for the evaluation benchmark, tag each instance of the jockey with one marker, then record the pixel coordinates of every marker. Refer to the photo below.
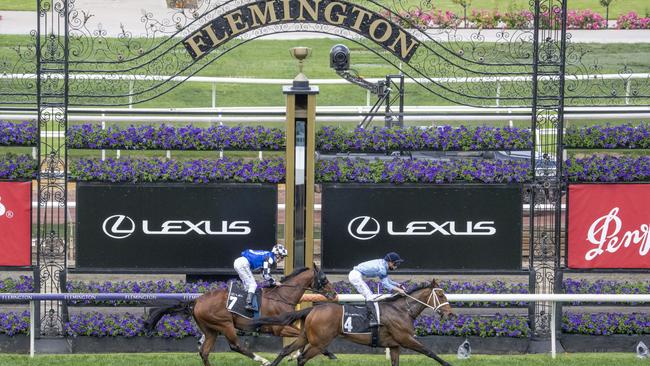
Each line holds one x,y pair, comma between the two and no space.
376,268
252,260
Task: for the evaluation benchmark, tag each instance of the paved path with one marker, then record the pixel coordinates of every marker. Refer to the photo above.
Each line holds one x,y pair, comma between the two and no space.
111,14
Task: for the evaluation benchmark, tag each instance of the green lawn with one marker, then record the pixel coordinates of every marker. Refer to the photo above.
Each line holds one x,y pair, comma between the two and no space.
230,359
618,7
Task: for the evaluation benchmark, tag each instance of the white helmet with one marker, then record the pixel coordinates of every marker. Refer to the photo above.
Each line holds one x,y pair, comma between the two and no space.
280,250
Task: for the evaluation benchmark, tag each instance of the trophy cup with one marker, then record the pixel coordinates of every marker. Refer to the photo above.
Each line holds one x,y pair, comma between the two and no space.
300,54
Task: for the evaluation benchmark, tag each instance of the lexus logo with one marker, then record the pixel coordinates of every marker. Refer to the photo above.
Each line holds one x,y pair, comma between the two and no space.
118,226
363,227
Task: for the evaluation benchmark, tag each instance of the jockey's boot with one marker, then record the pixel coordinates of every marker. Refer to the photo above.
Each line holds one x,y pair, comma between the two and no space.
372,314
249,301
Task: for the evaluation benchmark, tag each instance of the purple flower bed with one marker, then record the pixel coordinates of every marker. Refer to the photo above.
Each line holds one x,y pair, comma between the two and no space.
164,137
414,138
626,136
194,171
21,284
606,323
17,167
18,134
420,171
470,325
13,323
605,168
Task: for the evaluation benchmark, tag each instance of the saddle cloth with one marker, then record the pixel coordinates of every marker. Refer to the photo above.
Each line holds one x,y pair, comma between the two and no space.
356,318
237,301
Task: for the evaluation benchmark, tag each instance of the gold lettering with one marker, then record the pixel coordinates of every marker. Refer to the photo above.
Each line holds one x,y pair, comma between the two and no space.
362,14
287,10
213,36
195,44
235,23
404,49
373,31
313,11
262,16
328,13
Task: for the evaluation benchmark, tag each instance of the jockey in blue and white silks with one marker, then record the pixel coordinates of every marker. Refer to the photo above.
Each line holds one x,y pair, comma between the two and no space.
252,260
376,268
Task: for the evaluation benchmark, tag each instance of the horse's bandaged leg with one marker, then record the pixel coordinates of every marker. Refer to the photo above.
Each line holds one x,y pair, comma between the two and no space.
294,356
263,361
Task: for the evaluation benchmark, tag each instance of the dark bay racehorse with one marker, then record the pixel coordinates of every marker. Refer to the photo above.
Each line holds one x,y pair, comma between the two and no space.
212,317
323,323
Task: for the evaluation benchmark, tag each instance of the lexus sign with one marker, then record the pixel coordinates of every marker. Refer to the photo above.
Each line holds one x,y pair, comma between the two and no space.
185,228
432,228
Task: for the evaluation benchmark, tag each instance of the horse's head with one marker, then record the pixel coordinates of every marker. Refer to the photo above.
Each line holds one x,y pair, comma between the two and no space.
321,284
438,300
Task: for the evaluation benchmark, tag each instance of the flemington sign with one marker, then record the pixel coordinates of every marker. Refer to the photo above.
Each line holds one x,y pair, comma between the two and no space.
342,14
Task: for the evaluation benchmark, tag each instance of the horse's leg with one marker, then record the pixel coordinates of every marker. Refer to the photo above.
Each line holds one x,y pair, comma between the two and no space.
294,346
394,356
329,354
231,335
210,337
309,353
411,343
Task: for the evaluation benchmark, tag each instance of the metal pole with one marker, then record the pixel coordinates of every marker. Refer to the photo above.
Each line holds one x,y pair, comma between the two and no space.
214,95
553,330
32,327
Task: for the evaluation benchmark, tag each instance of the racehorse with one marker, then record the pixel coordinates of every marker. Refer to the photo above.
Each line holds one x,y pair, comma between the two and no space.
213,318
322,323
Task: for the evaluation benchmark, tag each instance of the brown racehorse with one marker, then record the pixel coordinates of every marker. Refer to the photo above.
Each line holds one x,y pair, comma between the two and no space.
323,324
212,317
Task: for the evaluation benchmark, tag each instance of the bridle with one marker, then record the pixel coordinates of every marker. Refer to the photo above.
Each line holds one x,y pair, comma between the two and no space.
437,304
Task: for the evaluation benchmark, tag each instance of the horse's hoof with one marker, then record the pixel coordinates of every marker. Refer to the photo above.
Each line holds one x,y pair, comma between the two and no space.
332,356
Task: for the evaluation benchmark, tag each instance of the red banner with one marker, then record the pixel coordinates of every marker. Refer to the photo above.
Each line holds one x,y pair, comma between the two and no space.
15,223
609,226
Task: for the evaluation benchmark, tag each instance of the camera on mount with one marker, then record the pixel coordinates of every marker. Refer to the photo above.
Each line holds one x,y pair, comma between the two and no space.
340,58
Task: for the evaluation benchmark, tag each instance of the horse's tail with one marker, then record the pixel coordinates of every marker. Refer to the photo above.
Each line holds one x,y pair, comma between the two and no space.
284,319
155,314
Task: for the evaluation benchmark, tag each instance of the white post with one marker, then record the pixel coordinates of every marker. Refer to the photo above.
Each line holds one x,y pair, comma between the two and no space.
131,94
34,152
553,335
103,128
498,93
367,98
32,327
387,353
220,124
214,95
169,154
627,91
260,155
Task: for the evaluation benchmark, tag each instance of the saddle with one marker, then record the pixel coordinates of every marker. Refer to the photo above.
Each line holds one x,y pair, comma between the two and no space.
362,319
237,301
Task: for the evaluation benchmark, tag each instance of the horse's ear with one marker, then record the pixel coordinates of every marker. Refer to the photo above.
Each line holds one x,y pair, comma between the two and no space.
434,283
315,266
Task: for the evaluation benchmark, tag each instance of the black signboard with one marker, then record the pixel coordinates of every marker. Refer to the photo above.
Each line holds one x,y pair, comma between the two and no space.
449,227
172,227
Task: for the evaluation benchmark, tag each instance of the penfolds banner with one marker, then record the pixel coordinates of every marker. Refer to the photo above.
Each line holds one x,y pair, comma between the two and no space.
609,226
15,223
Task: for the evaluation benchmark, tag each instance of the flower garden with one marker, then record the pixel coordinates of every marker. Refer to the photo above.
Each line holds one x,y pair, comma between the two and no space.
582,168
97,324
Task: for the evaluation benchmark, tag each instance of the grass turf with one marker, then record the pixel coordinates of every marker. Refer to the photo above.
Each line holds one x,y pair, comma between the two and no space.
230,359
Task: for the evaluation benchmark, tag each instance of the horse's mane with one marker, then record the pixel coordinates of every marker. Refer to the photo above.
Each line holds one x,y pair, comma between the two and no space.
417,288
295,272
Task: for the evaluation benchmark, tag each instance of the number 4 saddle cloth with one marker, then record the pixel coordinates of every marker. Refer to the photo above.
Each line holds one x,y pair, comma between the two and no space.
360,319
237,300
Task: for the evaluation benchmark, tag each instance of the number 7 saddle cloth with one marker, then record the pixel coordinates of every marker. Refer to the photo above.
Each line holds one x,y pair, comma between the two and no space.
357,319
237,300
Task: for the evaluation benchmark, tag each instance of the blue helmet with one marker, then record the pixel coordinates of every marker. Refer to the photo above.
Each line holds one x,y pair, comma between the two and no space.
393,257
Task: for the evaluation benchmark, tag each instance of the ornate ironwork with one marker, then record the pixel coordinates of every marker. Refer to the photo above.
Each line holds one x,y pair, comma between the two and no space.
52,97
549,52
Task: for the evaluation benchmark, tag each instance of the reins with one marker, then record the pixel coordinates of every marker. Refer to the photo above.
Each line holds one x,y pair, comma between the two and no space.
437,304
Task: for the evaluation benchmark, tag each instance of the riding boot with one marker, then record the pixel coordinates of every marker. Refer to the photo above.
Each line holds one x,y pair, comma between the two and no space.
372,314
249,301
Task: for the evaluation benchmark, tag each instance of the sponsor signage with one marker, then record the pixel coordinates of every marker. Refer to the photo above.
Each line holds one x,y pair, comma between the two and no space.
609,226
15,223
340,14
155,226
432,228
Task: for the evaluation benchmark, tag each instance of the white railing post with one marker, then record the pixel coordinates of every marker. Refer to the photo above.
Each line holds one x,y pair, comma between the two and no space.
553,330
367,98
214,95
130,94
498,93
103,128
627,91
32,327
